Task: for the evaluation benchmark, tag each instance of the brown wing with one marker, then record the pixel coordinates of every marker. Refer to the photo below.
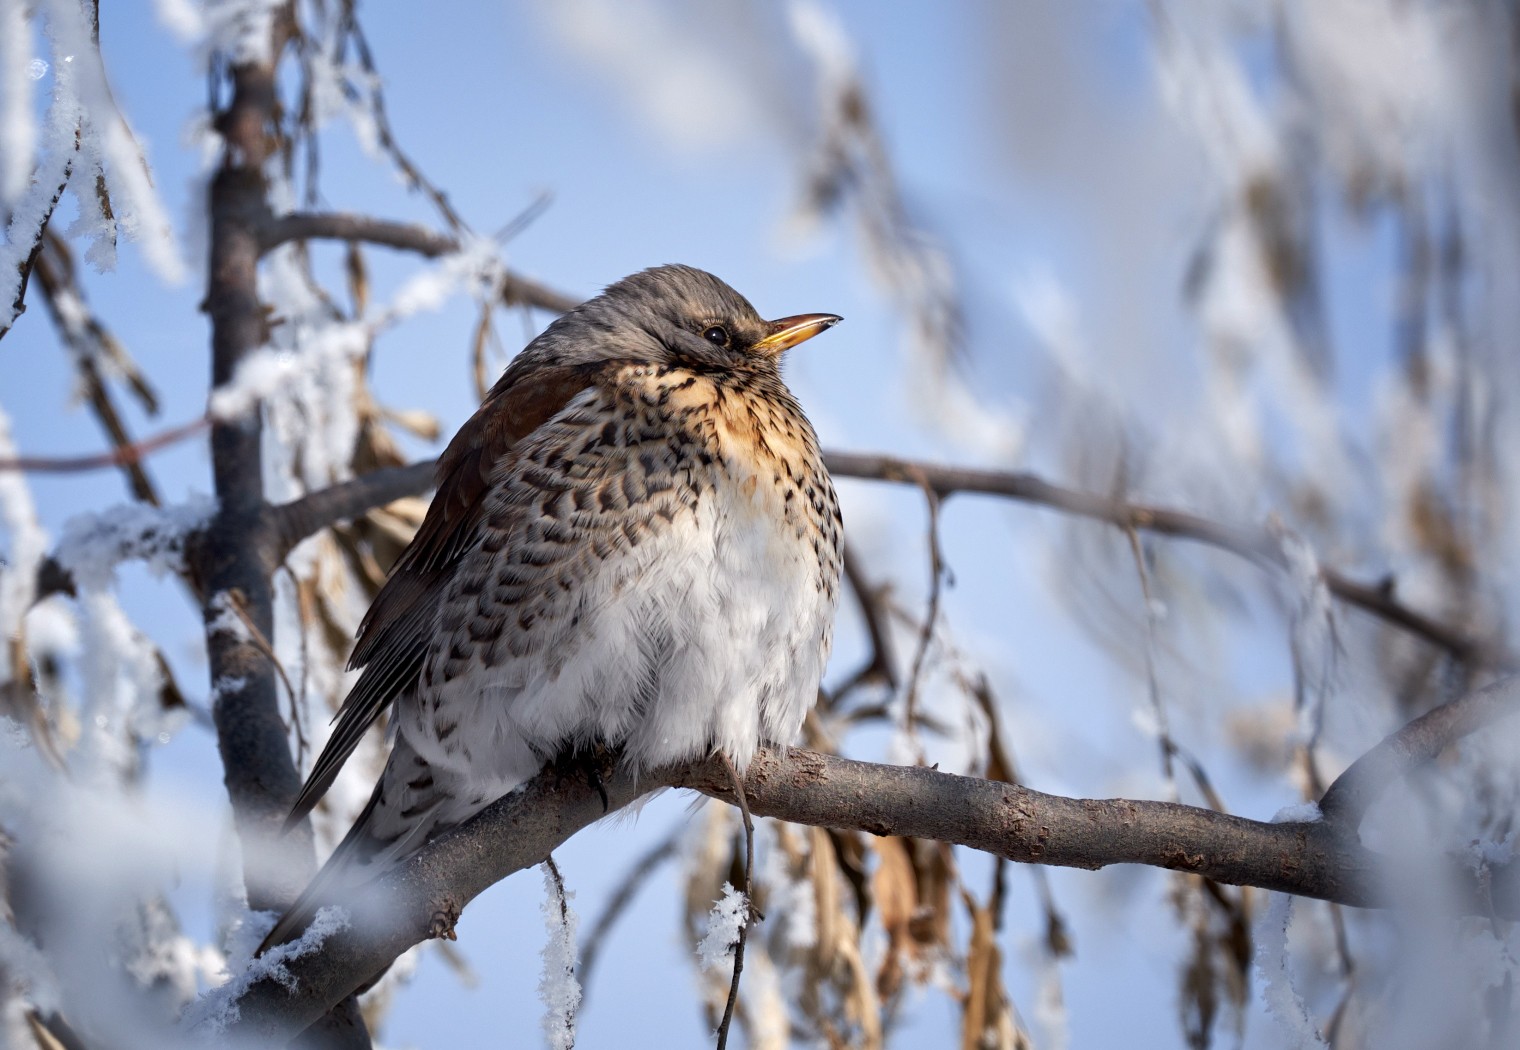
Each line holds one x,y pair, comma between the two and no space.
394,636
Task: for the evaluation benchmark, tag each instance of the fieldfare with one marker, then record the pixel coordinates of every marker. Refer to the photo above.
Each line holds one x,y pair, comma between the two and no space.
634,543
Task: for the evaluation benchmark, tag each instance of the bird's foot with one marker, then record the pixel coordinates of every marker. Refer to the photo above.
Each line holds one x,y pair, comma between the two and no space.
441,926
593,767
589,762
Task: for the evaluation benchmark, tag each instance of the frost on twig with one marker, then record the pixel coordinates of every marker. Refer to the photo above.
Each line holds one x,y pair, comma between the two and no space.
729,915
1278,987
94,544
217,1009
558,988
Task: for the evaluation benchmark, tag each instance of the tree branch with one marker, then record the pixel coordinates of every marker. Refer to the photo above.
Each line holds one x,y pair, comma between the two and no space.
299,519
261,778
517,290
1258,545
121,455
1308,859
1347,799
292,522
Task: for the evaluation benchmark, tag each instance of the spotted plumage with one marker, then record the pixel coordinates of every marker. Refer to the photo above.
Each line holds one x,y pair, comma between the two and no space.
634,542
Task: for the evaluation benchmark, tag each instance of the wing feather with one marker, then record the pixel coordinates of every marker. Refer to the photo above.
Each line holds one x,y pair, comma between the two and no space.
398,628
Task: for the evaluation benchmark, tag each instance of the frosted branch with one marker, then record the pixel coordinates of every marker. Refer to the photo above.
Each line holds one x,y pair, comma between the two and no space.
516,290
1311,858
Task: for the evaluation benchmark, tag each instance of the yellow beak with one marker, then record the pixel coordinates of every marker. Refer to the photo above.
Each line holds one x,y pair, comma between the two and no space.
789,331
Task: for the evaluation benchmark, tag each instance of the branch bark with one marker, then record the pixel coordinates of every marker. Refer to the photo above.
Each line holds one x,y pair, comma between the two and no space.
1310,859
261,778
233,559
517,290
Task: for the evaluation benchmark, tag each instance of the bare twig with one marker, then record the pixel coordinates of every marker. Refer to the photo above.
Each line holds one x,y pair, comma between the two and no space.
1153,684
880,667
348,226
516,290
122,455
408,168
931,614
90,341
1258,545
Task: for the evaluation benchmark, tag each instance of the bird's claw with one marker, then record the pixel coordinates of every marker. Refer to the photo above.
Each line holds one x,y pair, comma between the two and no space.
594,775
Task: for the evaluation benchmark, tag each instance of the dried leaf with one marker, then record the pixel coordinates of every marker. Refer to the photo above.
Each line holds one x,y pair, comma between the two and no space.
823,871
987,1021
358,278
478,351
895,890
414,421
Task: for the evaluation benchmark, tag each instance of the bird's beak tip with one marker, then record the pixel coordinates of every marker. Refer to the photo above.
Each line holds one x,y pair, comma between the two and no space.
787,332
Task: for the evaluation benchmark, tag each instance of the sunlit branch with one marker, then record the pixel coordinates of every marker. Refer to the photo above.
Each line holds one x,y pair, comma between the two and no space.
1310,859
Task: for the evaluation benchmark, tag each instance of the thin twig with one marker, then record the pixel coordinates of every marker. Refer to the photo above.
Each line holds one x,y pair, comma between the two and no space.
931,615
742,801
382,122
880,666
91,342
119,456
238,604
319,509
516,289
1261,546
1153,684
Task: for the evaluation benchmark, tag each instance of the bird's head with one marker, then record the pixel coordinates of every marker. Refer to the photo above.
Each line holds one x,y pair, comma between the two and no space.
679,315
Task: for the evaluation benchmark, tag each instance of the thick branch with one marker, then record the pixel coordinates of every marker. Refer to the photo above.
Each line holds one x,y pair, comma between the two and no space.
1305,859
517,290
513,833
260,775
1347,799
297,520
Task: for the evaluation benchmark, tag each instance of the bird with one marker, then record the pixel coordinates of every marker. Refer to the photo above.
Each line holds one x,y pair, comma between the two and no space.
634,543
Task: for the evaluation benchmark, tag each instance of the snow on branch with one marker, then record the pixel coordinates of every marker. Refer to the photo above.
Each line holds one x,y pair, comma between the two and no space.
94,544
216,1011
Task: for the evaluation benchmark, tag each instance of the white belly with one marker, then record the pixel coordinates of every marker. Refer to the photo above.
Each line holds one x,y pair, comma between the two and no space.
710,635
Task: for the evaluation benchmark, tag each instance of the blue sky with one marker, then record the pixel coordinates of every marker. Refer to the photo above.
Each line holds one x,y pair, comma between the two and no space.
499,105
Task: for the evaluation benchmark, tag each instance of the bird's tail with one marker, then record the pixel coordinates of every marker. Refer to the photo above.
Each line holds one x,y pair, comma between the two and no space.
401,815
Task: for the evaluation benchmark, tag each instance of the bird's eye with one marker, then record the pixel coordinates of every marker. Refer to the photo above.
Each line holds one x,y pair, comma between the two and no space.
716,334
